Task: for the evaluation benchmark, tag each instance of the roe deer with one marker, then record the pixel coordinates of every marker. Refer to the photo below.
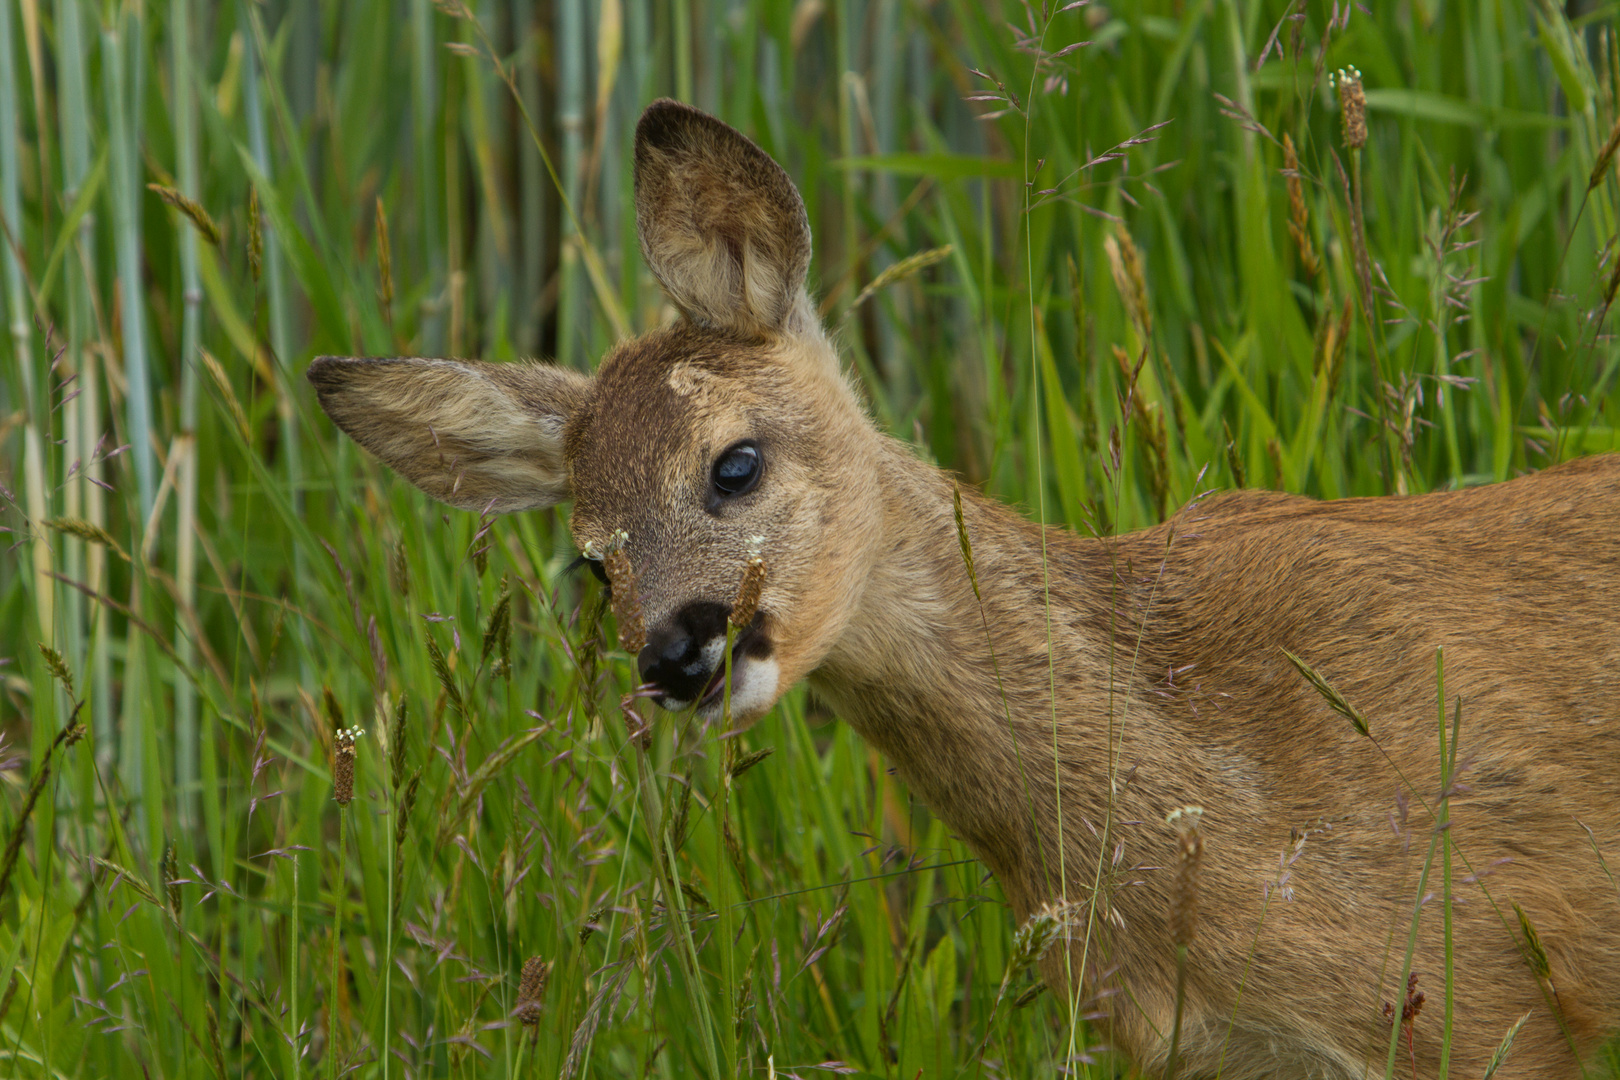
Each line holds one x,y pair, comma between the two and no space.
1099,684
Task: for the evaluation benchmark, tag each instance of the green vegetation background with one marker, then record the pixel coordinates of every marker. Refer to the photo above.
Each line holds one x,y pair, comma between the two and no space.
1063,255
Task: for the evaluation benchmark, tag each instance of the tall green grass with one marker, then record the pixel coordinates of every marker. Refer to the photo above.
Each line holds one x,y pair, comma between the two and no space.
1112,316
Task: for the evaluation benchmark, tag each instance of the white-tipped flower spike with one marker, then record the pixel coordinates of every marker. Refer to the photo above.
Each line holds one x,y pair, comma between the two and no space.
343,764
1352,107
1184,887
626,595
751,588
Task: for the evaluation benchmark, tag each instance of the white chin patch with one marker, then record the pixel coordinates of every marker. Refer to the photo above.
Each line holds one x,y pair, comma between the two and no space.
753,690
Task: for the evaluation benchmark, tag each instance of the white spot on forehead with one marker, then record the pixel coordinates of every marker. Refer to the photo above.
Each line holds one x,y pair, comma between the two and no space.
686,379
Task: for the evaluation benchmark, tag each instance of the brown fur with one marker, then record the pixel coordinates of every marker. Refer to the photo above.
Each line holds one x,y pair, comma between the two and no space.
1166,655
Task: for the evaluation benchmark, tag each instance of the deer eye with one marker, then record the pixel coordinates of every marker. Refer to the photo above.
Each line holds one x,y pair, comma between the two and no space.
737,470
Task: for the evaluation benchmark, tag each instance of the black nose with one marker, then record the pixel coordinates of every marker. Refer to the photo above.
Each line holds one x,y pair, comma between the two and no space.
673,657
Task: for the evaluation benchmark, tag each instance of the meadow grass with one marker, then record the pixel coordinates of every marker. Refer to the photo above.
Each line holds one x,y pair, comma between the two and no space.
1097,260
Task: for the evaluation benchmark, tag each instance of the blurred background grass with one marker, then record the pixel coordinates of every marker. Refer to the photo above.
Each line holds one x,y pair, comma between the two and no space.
1063,254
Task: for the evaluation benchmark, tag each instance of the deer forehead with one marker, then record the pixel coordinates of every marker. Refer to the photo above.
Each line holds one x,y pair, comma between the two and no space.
663,408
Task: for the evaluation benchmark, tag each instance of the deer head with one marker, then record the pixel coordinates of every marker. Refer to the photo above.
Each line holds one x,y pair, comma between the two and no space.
731,432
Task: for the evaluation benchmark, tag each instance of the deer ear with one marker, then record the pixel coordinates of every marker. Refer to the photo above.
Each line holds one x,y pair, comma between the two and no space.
721,225
477,436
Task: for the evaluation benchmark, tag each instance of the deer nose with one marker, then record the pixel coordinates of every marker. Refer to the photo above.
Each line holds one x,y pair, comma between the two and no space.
681,652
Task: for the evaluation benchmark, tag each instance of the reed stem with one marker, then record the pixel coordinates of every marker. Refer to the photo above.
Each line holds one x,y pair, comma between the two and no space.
185,444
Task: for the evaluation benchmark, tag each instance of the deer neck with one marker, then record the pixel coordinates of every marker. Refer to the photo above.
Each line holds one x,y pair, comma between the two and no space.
955,686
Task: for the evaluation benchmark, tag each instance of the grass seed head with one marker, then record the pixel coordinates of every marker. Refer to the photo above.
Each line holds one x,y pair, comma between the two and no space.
343,765
899,271
227,393
59,669
1299,222
399,571
1125,264
750,588
89,532
1184,886
532,991
402,819
1499,1058
626,595
396,743
1336,701
963,542
1352,108
499,627
196,214
1534,954
1040,930
1414,999
744,762
171,877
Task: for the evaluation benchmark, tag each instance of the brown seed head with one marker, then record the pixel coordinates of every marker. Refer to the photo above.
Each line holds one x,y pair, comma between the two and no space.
1352,108
749,590
1184,887
1299,222
343,765
1414,999
402,817
532,991
626,595
1125,264
198,216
